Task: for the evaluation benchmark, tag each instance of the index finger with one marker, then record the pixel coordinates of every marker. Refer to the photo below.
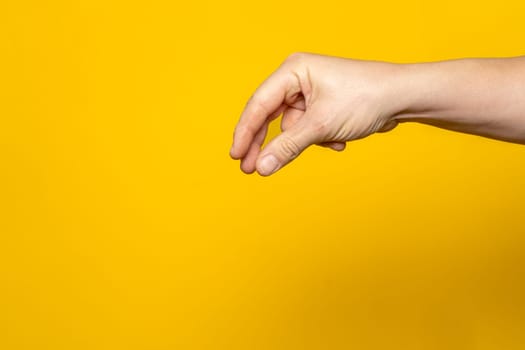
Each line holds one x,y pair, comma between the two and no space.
266,100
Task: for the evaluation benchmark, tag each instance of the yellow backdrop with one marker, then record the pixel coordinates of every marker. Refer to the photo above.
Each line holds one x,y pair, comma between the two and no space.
125,224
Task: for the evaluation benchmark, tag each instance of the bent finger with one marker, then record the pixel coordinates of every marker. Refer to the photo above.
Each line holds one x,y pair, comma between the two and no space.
264,102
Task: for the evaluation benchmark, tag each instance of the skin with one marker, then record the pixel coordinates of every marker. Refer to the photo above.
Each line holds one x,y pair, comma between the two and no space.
328,101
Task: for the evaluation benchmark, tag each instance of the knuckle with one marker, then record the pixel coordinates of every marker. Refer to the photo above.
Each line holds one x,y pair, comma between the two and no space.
243,129
258,105
296,57
289,147
261,106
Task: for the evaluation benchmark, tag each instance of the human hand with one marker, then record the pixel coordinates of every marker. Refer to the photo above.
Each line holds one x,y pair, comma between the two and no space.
324,100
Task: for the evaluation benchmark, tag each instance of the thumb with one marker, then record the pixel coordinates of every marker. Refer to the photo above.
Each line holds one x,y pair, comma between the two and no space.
285,147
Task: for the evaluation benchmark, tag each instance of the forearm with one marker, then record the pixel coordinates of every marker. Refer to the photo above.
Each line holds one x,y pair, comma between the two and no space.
479,96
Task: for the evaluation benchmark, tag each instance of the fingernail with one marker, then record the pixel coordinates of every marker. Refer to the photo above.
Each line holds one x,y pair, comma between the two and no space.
269,164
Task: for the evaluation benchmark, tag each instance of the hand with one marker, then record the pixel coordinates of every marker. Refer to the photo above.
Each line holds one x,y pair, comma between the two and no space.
324,100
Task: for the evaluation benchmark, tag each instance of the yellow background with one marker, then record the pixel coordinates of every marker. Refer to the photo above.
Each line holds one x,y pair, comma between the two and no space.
125,224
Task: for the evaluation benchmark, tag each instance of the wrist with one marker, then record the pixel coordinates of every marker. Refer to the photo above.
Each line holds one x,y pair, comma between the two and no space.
413,92
435,92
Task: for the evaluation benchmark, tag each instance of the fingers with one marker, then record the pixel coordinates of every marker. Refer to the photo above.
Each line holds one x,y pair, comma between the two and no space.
290,117
248,162
266,100
285,147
